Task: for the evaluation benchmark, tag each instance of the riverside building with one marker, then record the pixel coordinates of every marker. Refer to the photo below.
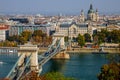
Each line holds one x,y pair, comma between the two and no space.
73,29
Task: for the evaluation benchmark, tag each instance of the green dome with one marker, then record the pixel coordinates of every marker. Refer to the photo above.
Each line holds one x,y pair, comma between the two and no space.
91,11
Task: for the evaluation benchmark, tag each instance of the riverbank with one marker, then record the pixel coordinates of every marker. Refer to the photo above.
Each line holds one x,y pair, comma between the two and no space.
71,50
85,50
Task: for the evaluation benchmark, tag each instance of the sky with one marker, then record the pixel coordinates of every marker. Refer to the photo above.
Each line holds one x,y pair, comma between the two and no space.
58,6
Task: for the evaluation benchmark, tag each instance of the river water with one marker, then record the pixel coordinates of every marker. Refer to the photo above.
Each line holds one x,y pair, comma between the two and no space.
79,66
6,63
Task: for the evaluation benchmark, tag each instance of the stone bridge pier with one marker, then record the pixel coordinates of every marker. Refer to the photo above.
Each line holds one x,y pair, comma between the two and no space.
62,54
27,50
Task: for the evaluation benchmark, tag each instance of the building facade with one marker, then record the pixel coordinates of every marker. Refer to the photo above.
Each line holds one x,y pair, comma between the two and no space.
72,30
3,29
18,29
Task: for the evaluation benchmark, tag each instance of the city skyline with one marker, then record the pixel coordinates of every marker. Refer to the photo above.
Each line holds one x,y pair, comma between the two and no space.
58,6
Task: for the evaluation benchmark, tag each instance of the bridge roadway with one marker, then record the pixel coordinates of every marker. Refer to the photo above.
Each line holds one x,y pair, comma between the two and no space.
19,72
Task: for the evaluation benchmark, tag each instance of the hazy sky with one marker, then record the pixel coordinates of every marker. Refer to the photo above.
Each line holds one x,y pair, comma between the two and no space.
58,6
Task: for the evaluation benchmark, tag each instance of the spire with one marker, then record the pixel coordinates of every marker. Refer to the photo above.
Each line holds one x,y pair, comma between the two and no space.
82,12
91,7
96,10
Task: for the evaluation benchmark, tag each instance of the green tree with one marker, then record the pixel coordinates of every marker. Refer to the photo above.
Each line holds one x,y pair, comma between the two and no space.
66,38
56,76
87,37
13,38
115,34
101,37
81,40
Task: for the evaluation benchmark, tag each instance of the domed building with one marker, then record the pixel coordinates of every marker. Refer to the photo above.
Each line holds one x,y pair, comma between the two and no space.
92,15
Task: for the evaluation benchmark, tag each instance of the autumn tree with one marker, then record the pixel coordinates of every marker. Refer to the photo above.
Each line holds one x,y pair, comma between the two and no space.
26,34
41,38
110,72
8,44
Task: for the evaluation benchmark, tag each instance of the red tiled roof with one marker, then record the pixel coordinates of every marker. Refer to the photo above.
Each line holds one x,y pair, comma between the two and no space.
4,27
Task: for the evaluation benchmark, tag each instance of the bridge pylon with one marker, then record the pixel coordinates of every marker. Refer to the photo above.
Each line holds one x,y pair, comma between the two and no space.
62,54
27,50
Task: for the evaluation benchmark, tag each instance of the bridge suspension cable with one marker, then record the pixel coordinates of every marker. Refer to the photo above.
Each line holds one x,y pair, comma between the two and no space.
50,54
17,71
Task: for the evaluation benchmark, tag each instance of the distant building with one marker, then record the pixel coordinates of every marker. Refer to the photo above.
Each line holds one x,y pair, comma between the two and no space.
20,20
19,28
3,29
113,27
92,15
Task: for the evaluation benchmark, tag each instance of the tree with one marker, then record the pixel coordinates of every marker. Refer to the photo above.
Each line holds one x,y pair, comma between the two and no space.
87,37
22,40
37,33
13,38
56,76
66,38
48,76
101,36
110,72
115,34
41,38
81,40
8,44
26,34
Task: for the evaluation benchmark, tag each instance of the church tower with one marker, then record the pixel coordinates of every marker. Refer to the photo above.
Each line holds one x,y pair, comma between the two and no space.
82,17
97,15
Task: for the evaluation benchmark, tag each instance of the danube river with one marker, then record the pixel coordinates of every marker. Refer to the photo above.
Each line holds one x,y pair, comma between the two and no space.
79,66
